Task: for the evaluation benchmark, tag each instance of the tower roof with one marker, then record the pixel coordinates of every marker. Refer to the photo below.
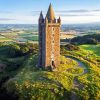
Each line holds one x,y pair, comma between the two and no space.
50,14
41,15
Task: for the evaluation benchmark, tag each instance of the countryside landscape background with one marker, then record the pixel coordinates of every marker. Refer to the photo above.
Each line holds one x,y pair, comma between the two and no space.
78,75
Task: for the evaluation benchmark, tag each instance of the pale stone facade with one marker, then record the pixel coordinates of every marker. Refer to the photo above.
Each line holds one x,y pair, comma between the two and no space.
49,40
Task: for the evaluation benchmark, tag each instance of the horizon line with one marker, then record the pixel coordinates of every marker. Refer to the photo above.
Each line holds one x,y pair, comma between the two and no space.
62,23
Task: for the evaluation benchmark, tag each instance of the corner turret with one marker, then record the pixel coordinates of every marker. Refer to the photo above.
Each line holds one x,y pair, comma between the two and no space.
50,14
59,20
41,18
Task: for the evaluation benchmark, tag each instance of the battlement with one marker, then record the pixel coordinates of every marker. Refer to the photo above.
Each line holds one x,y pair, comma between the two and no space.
56,21
50,17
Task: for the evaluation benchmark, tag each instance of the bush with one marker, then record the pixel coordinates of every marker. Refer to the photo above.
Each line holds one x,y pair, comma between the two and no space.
17,50
71,47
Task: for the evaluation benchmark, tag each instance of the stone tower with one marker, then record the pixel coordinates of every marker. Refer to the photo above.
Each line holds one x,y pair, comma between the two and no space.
49,40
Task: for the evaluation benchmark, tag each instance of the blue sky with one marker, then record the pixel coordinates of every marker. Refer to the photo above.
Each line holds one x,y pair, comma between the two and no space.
27,11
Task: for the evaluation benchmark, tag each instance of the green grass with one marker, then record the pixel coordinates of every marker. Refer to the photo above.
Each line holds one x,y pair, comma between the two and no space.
89,55
95,49
32,83
4,39
32,38
24,35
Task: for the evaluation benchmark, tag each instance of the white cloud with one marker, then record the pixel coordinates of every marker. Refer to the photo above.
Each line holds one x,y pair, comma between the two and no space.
68,17
80,19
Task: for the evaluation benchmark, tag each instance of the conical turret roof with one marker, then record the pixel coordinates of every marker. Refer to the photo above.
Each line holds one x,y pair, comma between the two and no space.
41,15
50,14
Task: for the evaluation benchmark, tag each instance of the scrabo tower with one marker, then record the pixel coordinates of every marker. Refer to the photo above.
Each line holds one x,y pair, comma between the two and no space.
49,40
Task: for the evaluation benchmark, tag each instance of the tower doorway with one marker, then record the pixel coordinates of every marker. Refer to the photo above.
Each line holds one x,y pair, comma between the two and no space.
53,64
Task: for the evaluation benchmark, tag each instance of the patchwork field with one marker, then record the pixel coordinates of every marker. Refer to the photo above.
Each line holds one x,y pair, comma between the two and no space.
30,37
68,36
4,39
18,37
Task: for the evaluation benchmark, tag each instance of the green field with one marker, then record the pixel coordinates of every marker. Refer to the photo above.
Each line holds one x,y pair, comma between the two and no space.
4,39
95,49
32,38
29,36
25,34
89,55
21,37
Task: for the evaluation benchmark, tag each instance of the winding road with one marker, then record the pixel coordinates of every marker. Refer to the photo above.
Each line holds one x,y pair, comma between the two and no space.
76,83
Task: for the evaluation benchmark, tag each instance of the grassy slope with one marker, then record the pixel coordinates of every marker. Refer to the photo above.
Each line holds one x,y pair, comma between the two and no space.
89,55
92,48
32,83
43,83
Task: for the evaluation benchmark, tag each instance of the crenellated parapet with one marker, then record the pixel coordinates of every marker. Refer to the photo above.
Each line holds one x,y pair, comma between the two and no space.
50,17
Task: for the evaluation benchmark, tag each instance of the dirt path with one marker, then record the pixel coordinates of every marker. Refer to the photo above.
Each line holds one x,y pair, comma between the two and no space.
76,83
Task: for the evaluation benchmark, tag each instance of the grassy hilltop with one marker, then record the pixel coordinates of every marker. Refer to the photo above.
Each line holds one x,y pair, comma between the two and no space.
77,76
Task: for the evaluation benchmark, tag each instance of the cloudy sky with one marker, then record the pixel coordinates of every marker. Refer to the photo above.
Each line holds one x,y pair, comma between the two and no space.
27,11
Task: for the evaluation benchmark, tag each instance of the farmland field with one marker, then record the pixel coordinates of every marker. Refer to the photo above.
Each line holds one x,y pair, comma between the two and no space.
4,39
29,36
18,37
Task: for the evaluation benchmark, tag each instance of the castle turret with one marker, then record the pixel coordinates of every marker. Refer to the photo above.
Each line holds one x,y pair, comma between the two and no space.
49,40
40,27
59,20
50,14
41,18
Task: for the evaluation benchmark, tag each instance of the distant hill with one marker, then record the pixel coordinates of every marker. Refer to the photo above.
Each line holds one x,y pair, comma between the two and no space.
86,39
65,27
4,27
81,27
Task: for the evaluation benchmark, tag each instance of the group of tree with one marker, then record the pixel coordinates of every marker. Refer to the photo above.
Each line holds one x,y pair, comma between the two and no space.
22,49
68,47
86,39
